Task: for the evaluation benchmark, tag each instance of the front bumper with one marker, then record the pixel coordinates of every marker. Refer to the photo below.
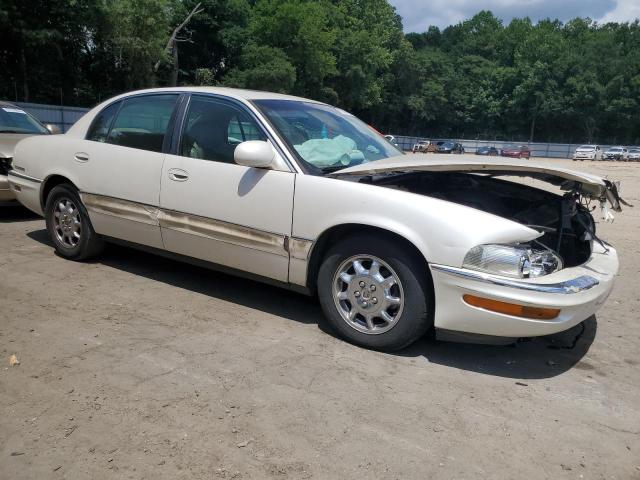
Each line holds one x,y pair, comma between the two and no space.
27,190
584,156
6,195
578,292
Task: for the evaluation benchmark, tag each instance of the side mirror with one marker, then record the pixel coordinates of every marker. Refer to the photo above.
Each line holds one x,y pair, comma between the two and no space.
54,129
254,153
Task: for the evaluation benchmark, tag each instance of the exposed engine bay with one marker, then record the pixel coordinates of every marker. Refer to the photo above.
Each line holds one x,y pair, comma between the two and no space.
564,219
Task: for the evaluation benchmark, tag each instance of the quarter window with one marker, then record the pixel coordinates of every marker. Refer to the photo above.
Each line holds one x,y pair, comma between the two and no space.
214,128
99,129
142,122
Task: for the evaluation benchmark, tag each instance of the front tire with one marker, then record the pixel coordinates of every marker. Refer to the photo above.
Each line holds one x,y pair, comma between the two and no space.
376,293
69,226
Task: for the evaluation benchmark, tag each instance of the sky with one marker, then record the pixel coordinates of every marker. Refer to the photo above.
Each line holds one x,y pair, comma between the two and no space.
417,15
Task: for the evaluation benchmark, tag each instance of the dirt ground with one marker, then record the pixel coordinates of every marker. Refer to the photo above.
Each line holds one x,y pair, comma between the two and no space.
134,366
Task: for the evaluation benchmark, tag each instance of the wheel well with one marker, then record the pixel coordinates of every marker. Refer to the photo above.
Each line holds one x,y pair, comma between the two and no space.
49,183
337,233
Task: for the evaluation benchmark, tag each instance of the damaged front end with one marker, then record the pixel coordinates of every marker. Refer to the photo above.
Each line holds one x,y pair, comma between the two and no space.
565,222
564,218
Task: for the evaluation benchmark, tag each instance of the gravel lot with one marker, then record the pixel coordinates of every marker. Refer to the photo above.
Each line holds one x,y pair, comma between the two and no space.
134,366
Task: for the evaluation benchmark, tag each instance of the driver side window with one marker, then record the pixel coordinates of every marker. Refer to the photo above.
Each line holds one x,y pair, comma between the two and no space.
214,128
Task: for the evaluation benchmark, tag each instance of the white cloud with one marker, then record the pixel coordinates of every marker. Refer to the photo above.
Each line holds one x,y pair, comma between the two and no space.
625,11
417,15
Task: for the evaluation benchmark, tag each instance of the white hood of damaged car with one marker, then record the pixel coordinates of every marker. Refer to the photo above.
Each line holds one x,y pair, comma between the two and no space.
590,185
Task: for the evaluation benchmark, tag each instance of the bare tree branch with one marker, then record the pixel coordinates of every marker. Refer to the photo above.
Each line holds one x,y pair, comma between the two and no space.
171,43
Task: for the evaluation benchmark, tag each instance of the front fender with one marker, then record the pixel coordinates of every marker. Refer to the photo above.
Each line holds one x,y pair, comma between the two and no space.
442,231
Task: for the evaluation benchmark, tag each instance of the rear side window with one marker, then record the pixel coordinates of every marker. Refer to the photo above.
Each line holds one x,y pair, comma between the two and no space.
142,122
99,129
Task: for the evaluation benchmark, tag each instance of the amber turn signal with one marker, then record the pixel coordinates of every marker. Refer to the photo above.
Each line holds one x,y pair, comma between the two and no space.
523,311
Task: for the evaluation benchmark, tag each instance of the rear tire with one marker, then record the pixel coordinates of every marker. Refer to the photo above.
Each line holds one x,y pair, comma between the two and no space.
387,303
69,225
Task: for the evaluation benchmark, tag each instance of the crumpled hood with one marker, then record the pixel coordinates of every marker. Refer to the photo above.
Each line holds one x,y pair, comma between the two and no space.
591,185
8,143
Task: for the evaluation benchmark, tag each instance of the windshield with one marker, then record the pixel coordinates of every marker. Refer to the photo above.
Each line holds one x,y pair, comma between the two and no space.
615,149
14,120
634,150
586,147
447,145
324,137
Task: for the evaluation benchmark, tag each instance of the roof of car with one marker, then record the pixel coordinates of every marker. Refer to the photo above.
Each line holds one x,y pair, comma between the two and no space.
229,92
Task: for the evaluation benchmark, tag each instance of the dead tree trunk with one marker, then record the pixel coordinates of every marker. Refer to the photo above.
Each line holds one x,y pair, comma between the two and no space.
172,46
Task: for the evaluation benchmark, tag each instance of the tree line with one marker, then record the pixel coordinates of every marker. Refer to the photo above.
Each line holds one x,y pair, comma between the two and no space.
547,81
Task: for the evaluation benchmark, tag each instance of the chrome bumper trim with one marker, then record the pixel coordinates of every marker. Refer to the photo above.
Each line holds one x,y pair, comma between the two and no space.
13,173
575,285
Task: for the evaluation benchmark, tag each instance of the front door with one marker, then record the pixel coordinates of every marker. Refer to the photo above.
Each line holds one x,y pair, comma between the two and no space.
216,210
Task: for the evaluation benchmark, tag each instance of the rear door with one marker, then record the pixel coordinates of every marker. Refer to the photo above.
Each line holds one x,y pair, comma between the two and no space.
121,162
216,210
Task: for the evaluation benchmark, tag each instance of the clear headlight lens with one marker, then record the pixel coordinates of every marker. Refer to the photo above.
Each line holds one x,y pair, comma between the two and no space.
518,261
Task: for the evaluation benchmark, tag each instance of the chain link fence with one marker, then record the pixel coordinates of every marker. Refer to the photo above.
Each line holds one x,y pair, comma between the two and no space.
58,115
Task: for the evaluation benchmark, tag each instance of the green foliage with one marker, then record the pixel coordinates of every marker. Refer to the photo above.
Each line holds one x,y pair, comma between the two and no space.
577,81
264,68
137,33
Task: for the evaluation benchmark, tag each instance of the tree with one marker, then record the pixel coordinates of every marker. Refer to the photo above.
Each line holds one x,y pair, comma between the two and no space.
576,81
263,67
172,45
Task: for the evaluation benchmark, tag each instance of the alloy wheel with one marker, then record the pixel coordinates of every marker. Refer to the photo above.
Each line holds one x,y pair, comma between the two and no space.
67,223
368,294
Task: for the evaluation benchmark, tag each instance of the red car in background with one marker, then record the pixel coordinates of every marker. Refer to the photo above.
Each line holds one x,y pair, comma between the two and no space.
516,151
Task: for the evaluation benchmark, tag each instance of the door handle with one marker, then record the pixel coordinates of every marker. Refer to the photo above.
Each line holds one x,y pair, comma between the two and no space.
178,175
81,157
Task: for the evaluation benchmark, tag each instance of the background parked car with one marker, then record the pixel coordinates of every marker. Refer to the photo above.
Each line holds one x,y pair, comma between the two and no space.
516,151
392,140
634,154
15,124
616,153
490,151
450,147
588,152
421,146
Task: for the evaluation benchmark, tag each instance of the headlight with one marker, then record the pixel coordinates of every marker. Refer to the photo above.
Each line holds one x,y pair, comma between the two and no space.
518,261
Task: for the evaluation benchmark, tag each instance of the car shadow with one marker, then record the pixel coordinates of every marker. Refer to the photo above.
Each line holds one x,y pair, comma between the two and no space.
249,293
16,213
529,358
535,358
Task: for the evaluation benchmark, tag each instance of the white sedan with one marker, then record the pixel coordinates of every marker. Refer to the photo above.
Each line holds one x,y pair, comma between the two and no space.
304,195
588,152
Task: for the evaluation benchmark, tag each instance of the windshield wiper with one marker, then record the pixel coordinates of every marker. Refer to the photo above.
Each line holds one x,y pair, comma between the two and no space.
10,131
333,168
